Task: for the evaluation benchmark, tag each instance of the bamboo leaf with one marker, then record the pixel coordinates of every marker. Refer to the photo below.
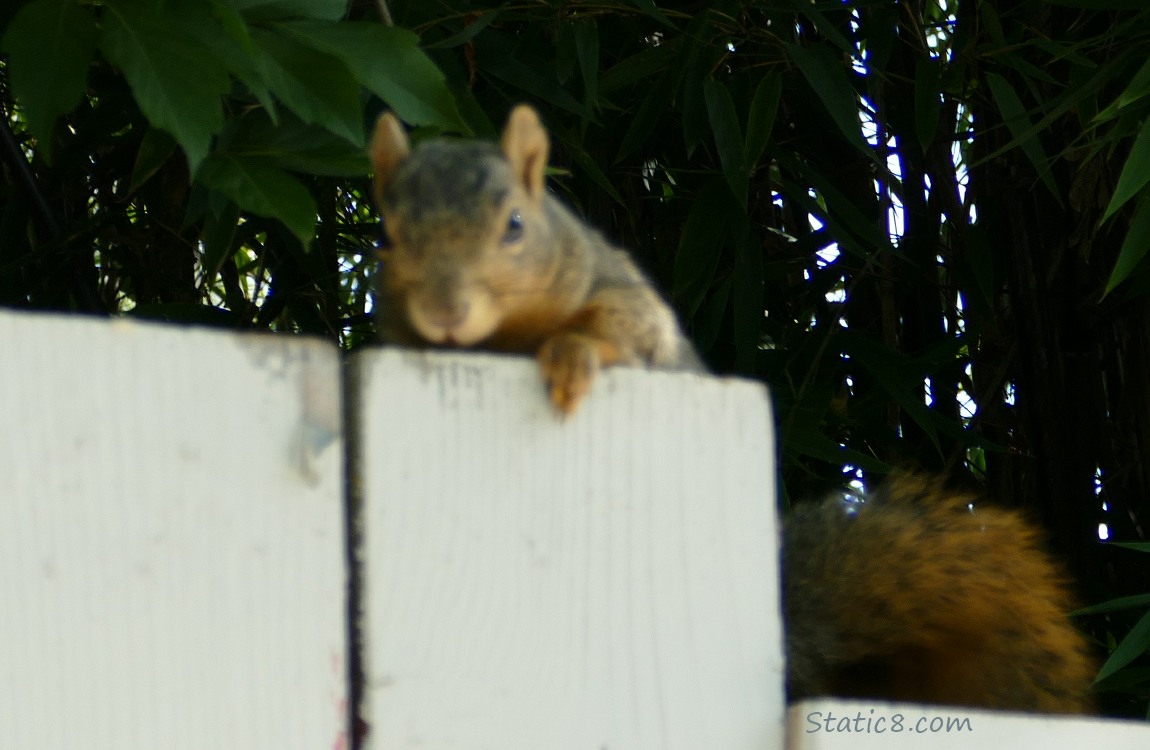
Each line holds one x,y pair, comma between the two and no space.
1137,601
218,233
155,148
761,119
1136,643
587,50
828,80
588,165
1136,546
805,440
700,246
747,293
652,108
898,376
728,137
1020,126
1101,4
652,10
499,55
927,100
469,30
1136,90
1135,172
1134,246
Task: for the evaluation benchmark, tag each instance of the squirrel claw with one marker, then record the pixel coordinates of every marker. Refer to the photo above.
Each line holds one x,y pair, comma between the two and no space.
569,363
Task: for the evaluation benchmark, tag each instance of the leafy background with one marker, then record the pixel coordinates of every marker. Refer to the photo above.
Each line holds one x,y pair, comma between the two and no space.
923,222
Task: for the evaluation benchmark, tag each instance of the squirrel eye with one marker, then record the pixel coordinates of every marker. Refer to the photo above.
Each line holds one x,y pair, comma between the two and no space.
514,231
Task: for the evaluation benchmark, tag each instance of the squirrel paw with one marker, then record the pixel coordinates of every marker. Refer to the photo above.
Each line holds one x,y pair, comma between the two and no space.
569,363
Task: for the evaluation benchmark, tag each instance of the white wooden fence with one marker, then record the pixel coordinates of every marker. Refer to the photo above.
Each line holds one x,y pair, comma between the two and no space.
175,574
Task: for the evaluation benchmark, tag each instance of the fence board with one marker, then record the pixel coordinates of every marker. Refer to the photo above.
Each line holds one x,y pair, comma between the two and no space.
171,530
605,582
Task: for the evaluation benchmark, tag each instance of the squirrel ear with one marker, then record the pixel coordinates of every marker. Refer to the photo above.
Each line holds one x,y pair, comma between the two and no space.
388,148
525,145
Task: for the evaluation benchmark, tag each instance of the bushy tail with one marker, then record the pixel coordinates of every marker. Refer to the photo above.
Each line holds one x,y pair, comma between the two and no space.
917,595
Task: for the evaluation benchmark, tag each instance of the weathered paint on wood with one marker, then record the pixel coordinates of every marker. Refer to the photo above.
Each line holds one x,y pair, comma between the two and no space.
604,582
171,539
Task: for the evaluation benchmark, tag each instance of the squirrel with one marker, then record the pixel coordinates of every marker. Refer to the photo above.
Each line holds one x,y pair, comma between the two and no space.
476,253
912,595
917,595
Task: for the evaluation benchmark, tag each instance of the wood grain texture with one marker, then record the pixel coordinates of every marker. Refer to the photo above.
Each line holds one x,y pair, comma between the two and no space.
171,539
604,582
857,725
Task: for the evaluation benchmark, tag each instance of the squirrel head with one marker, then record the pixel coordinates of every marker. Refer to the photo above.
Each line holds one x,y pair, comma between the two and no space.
466,237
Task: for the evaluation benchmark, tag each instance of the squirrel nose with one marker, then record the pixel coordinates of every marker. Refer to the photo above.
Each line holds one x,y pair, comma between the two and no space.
448,315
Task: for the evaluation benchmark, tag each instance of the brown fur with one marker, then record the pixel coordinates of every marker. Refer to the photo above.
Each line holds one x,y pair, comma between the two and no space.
457,272
914,596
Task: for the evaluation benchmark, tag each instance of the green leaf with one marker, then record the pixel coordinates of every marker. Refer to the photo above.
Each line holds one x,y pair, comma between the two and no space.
218,233
898,376
317,86
980,259
700,246
1136,90
49,45
761,120
1135,172
1101,4
1016,119
263,189
469,30
587,50
927,100
828,80
694,68
728,137
500,56
266,10
155,149
390,64
1136,643
805,439
238,52
852,226
650,112
1137,547
993,25
1134,246
639,66
707,322
295,146
588,165
648,7
1137,601
830,29
177,81
565,51
747,294
186,313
